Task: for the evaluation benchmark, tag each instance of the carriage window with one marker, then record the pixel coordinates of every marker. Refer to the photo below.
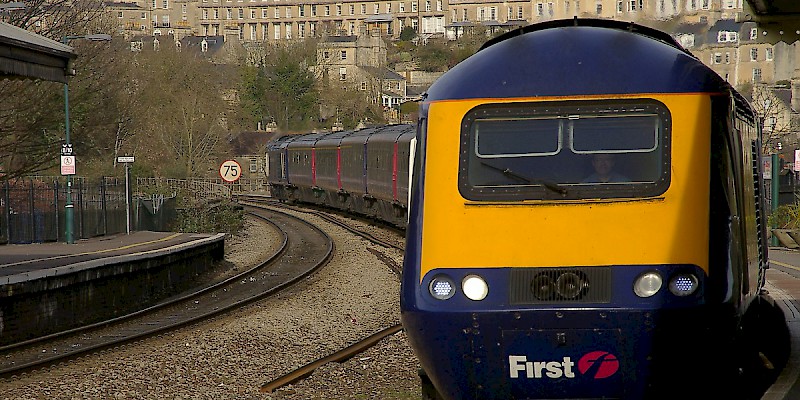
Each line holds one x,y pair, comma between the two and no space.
565,150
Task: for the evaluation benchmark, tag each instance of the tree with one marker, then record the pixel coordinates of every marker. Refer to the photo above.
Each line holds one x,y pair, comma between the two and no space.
774,115
32,120
279,86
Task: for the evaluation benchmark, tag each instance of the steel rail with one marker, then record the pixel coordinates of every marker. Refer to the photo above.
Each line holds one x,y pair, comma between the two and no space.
9,367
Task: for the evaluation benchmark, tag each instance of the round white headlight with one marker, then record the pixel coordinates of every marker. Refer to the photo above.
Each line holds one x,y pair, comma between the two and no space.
474,287
442,287
683,284
647,284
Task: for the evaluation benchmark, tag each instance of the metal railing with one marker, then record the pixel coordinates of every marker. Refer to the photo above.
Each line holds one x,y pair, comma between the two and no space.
204,187
32,209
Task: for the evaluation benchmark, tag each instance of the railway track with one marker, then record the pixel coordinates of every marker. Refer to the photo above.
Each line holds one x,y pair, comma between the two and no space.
357,347
305,248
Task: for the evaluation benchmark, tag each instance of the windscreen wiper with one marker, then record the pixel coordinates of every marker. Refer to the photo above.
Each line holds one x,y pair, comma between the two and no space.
552,186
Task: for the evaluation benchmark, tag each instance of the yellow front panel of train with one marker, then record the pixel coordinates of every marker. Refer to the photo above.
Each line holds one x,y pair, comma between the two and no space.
670,228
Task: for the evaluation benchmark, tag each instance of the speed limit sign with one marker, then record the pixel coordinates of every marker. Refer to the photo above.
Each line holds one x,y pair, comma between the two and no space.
230,171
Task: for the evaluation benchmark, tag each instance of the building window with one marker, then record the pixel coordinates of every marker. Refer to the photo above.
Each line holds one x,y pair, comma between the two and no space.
288,12
288,30
377,9
727,57
539,9
352,30
717,58
301,10
277,12
338,9
276,31
205,13
438,5
756,75
342,74
352,9
228,13
413,6
753,54
402,7
165,4
119,14
753,33
327,11
770,54
264,13
464,15
727,36
313,10
216,14
519,13
389,8
241,13
619,7
363,85
599,8
363,9
343,55
301,30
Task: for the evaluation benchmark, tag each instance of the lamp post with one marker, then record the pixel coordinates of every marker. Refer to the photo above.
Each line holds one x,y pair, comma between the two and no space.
69,214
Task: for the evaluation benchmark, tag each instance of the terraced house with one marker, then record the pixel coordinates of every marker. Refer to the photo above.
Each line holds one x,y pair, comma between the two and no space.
281,20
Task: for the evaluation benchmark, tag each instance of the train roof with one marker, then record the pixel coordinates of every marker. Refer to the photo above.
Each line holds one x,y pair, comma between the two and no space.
577,57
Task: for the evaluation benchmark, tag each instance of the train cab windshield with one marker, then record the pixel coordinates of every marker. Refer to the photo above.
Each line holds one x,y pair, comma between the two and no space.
565,150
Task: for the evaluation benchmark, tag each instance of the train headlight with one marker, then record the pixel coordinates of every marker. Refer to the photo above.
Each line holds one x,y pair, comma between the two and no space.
442,287
683,284
474,287
647,284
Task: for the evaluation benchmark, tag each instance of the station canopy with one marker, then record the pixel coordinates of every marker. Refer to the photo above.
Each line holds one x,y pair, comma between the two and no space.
26,55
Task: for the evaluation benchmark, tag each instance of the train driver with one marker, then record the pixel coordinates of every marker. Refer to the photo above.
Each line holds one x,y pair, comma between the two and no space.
603,165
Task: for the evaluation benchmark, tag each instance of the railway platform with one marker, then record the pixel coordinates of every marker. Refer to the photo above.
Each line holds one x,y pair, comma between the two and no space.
783,283
50,287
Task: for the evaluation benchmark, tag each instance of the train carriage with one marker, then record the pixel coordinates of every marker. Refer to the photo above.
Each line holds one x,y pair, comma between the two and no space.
365,171
387,172
586,223
328,170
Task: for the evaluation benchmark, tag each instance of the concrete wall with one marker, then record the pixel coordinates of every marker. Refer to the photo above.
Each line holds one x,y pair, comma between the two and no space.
51,304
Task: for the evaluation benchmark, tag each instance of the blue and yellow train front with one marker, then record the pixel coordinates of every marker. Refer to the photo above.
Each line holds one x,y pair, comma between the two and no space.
526,276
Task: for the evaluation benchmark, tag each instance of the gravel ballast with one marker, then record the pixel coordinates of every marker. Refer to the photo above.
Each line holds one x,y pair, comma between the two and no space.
231,356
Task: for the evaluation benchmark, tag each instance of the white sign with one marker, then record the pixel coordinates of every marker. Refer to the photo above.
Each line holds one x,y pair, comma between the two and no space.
797,160
67,165
124,159
230,171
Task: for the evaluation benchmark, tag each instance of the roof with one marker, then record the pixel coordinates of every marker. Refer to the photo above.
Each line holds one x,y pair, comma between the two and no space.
336,39
28,55
596,55
383,73
380,18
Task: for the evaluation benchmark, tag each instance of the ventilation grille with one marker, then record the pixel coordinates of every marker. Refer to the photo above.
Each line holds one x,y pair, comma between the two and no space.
560,285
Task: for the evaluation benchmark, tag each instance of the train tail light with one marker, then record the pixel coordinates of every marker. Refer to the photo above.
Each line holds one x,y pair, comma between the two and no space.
683,284
442,287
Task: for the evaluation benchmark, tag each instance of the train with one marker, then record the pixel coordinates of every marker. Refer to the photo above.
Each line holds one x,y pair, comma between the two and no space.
585,218
364,171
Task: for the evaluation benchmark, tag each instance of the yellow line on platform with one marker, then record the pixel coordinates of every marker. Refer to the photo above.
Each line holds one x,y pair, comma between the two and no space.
784,265
164,239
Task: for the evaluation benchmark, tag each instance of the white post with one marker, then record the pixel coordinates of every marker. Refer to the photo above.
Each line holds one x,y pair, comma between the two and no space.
127,199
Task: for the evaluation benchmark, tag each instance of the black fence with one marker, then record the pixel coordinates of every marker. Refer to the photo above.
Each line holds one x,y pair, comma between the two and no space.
32,210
